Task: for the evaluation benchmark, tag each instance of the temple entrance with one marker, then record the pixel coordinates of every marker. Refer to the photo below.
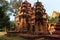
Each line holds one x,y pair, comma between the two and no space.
33,28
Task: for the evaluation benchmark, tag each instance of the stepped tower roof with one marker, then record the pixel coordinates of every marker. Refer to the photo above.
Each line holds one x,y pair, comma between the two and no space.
25,3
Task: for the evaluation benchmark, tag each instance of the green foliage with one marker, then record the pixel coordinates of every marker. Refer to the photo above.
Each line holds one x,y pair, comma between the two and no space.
11,38
3,2
53,20
4,18
5,6
12,25
14,6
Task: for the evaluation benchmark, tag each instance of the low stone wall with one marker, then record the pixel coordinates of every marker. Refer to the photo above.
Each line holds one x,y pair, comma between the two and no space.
34,37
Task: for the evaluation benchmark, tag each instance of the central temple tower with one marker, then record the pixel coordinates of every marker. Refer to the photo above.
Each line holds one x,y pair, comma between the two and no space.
40,19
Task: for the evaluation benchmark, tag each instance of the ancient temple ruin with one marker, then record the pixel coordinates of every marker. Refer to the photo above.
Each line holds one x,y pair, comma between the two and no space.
31,19
57,27
32,23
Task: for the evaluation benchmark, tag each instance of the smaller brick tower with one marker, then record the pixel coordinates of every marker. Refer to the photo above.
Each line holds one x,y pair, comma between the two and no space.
23,17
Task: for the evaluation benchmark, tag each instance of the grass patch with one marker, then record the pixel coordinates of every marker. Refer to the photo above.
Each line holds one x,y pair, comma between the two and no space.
4,37
2,33
11,38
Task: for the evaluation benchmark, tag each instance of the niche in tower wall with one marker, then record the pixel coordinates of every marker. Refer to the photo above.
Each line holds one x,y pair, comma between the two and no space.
24,30
28,27
24,17
33,28
38,17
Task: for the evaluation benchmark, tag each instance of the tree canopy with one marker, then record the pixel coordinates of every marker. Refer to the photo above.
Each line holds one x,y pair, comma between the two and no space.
4,18
6,6
52,20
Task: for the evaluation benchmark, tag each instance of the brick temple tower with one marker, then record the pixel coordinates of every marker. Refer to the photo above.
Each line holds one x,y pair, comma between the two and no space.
23,16
31,19
40,18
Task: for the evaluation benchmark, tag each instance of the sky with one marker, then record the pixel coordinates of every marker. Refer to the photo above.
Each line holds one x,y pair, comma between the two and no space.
49,6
